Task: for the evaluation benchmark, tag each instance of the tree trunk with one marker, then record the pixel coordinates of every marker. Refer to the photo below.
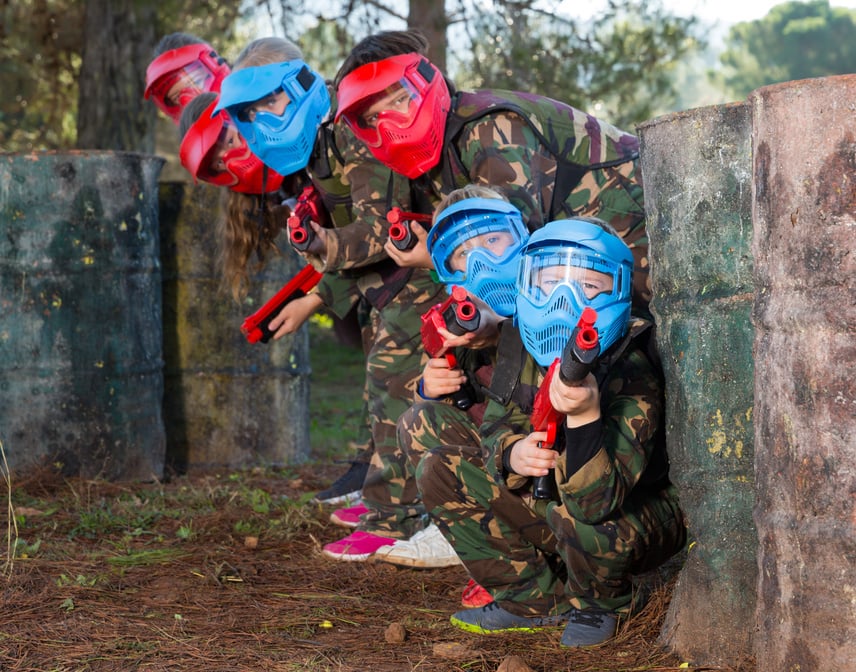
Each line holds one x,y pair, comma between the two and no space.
429,16
118,39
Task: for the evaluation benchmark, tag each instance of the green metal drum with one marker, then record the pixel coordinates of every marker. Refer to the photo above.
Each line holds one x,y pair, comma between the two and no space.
227,402
81,369
804,135
697,171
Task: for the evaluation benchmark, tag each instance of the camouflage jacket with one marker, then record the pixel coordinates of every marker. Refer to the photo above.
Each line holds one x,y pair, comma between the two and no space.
551,160
357,191
535,149
630,451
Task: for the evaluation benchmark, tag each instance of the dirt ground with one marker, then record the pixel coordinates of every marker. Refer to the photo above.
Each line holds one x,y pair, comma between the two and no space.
223,572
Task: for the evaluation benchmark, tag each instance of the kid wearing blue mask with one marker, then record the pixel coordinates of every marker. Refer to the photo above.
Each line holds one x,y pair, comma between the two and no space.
474,243
566,561
283,110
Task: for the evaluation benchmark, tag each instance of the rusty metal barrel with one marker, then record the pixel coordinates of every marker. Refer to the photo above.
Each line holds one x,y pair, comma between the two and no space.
804,135
81,368
227,402
697,171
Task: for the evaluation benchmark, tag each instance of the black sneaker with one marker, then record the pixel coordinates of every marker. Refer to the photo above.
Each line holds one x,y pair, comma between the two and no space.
589,627
347,488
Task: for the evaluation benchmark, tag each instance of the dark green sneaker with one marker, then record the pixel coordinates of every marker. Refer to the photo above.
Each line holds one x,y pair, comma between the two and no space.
589,627
492,618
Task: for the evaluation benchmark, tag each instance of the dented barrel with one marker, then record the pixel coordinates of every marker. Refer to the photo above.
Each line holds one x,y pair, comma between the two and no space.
81,368
697,171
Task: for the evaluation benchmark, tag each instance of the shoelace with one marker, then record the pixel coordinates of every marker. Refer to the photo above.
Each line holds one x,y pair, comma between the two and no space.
492,606
593,619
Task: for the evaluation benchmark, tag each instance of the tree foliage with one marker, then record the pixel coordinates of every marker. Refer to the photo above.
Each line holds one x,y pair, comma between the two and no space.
42,44
308,23
795,40
618,66
40,48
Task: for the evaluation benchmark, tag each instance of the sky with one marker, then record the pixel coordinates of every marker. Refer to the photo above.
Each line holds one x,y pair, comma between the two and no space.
725,12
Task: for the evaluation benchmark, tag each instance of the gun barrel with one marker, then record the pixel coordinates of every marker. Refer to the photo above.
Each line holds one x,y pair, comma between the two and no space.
255,327
396,215
401,236
580,354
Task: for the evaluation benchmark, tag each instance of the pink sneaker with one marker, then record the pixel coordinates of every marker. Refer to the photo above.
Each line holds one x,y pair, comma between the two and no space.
349,517
475,596
356,546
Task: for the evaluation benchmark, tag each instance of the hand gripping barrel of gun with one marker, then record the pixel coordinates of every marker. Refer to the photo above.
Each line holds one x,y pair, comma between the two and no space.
459,315
256,327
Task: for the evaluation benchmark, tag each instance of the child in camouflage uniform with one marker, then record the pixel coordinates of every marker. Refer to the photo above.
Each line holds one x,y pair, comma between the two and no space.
281,108
564,561
473,244
550,159
255,208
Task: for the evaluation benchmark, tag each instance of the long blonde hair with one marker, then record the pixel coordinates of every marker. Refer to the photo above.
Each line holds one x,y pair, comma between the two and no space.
267,50
239,232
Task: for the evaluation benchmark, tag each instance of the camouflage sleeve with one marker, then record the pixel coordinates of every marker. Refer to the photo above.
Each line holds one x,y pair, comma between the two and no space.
374,189
632,413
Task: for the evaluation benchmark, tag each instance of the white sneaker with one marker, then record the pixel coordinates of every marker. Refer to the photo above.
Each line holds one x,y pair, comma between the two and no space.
427,548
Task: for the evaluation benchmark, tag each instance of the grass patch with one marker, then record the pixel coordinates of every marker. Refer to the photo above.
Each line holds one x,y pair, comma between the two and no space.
336,412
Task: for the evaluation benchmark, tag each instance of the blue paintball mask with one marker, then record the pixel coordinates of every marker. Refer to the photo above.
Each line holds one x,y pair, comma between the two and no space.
566,266
474,244
253,97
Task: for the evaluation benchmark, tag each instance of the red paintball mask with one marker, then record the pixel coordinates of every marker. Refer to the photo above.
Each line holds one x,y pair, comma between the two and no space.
177,76
214,152
407,135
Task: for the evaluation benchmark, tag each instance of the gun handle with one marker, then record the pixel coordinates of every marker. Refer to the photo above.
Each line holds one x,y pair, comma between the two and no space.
544,487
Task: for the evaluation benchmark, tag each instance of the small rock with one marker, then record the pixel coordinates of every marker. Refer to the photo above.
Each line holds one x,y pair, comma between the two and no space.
251,542
395,633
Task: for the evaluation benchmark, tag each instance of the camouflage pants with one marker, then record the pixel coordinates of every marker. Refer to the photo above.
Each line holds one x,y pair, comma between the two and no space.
533,557
394,365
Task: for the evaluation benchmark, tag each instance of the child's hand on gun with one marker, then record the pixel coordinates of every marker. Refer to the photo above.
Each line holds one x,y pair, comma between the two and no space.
529,459
485,336
294,314
579,402
439,379
413,257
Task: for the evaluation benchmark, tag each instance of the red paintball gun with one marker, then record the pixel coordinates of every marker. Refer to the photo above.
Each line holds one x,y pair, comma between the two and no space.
399,227
307,209
256,328
578,359
459,315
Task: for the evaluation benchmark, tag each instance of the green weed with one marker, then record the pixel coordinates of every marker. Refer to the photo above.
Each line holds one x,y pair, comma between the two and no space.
337,412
